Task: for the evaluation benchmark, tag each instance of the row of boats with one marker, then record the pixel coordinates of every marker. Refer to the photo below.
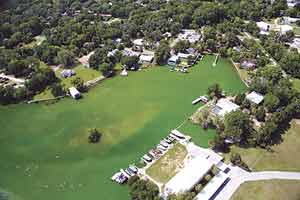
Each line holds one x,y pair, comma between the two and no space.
123,175
163,146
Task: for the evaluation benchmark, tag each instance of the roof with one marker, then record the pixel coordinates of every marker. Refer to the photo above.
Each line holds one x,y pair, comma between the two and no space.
138,42
224,106
255,97
173,58
212,187
183,55
84,60
189,176
263,26
146,58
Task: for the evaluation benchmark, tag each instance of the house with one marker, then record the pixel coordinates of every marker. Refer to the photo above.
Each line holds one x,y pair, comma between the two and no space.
255,97
190,35
146,59
174,60
67,73
189,176
248,64
74,93
112,53
288,20
223,107
263,27
283,29
128,52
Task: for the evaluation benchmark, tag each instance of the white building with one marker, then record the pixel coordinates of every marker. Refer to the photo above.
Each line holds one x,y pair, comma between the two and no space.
189,176
84,60
146,59
223,107
255,97
174,60
190,35
263,27
74,93
211,189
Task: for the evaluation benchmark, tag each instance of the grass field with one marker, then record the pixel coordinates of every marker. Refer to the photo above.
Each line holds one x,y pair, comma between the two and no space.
44,149
283,157
85,73
268,190
168,165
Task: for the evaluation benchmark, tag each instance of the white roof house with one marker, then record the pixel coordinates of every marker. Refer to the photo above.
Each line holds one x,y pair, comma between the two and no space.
263,26
224,106
285,28
173,60
184,55
211,189
146,58
74,93
189,176
296,44
255,97
189,34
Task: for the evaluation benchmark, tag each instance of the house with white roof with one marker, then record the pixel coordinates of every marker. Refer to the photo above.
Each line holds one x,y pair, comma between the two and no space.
146,59
173,60
189,176
255,97
263,27
190,35
223,107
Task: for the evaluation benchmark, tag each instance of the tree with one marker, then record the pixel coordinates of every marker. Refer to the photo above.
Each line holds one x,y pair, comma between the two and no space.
271,102
141,189
266,133
162,54
94,135
239,98
182,196
236,159
238,126
57,89
66,58
260,114
214,91
181,46
106,69
291,64
79,84
130,61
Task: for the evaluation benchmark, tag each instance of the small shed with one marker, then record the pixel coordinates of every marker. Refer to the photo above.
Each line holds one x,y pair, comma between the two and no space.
147,59
74,93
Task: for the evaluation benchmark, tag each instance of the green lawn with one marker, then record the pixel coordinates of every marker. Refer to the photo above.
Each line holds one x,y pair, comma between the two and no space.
168,165
44,149
268,190
85,73
283,157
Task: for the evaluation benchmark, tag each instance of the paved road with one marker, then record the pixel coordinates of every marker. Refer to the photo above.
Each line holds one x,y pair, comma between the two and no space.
239,176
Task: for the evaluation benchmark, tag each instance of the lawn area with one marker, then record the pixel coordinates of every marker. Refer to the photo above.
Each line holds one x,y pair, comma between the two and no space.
268,190
283,157
85,73
45,151
168,165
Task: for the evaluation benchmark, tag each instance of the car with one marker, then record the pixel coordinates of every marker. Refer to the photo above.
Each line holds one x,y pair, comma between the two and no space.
162,148
164,144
